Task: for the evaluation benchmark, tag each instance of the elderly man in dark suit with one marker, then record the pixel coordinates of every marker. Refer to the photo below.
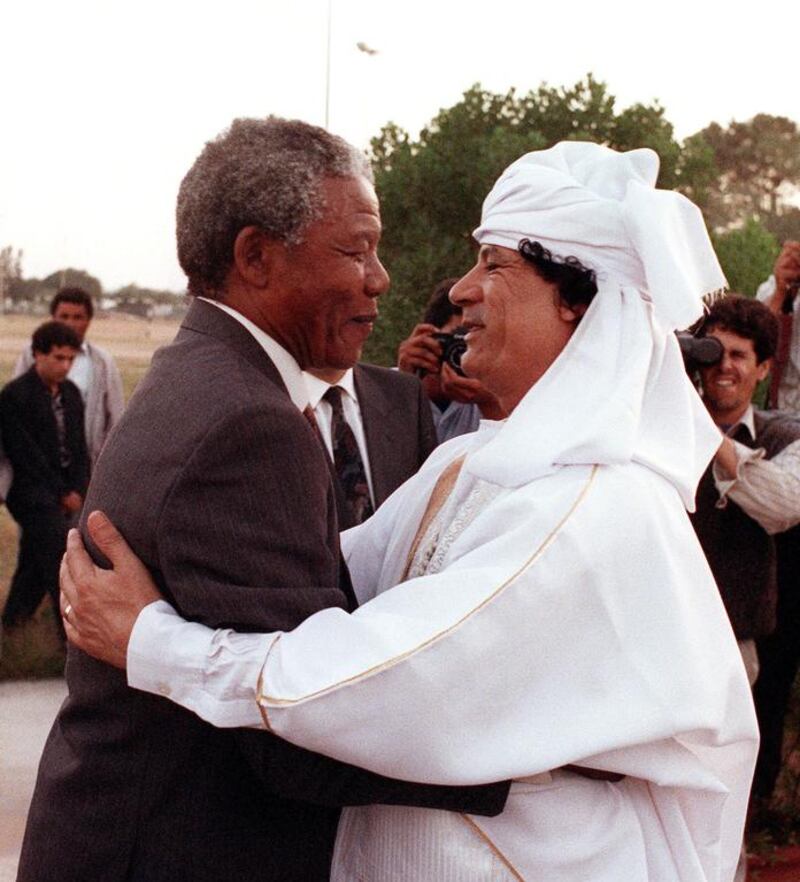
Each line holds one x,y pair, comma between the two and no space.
219,481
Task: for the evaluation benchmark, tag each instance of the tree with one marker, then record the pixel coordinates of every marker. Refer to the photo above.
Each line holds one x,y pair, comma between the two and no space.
747,256
759,167
75,278
148,302
431,189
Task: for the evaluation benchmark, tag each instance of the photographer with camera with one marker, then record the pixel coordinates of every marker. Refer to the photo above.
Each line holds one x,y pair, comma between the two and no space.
433,352
779,293
748,506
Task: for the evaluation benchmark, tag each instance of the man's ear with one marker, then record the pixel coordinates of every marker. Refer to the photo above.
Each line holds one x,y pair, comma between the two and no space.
253,256
572,314
763,368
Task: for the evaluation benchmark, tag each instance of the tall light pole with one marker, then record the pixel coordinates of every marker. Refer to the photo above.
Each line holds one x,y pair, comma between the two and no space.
362,47
328,68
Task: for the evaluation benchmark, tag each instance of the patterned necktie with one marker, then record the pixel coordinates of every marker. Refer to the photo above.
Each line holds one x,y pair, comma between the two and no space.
347,459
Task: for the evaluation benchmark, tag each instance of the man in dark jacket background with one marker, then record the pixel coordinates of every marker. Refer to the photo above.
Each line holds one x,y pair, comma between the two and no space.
41,421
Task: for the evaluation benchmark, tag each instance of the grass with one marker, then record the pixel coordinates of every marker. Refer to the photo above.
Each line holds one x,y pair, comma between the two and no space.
33,649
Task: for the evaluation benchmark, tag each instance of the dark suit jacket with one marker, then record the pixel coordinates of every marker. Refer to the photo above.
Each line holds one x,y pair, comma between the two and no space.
398,426
30,440
220,485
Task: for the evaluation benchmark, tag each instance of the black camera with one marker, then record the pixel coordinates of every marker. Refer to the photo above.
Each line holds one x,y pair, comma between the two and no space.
698,352
453,347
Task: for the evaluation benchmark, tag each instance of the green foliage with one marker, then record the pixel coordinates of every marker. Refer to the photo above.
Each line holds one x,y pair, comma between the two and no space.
747,256
759,163
432,189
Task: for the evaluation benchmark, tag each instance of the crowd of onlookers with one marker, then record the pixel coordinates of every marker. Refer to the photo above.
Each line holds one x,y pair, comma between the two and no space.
378,426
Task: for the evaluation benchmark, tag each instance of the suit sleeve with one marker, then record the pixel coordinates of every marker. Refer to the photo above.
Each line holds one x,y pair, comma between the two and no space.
262,575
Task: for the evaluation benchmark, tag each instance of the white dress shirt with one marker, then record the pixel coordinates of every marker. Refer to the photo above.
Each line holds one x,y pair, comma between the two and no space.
352,413
81,371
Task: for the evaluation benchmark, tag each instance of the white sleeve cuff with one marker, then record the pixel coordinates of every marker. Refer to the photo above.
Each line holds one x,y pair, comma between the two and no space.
213,673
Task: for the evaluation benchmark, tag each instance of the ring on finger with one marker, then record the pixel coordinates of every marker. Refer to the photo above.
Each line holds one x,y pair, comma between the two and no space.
67,609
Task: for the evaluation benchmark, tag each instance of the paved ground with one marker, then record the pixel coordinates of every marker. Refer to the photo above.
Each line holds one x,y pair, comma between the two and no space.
27,709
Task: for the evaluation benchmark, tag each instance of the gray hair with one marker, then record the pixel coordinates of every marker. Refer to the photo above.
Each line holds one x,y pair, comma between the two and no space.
266,173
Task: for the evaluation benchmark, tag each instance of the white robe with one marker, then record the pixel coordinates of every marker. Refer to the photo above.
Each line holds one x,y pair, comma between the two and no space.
570,618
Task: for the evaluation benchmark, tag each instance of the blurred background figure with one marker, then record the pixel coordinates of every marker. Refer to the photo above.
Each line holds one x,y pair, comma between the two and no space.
42,423
779,293
93,371
458,403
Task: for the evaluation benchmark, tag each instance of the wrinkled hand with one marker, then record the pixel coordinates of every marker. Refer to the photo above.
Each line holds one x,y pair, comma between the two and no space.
72,502
420,351
100,607
787,269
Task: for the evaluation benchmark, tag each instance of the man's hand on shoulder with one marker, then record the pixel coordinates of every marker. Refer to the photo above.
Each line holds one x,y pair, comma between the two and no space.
100,607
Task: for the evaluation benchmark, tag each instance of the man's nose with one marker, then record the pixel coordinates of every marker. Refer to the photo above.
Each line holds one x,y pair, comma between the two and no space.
377,279
465,290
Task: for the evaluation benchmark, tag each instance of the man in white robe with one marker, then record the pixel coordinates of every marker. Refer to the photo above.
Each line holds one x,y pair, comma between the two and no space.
549,605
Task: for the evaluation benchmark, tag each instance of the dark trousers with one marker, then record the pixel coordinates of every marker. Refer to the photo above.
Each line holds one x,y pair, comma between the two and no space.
43,535
779,656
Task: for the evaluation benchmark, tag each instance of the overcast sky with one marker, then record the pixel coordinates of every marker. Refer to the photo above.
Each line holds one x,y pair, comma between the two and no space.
107,102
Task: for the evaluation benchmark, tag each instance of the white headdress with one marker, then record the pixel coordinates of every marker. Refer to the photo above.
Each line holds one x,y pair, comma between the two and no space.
602,207
618,391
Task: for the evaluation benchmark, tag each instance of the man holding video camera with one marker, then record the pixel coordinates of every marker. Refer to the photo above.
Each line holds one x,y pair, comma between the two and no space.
432,351
748,506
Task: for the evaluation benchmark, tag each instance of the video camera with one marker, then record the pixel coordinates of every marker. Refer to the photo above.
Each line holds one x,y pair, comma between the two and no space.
698,352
